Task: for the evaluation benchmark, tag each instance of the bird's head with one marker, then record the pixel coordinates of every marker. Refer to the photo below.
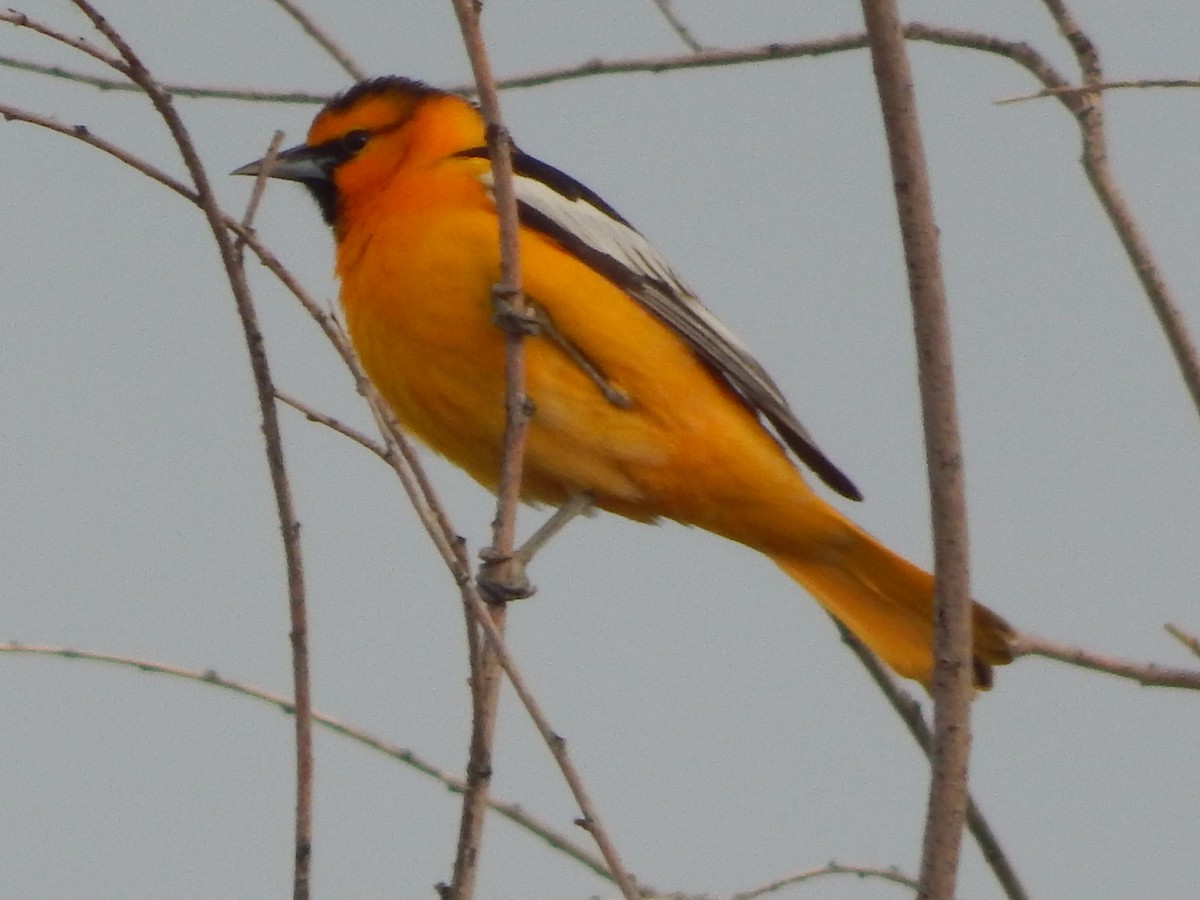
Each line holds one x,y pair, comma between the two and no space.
360,137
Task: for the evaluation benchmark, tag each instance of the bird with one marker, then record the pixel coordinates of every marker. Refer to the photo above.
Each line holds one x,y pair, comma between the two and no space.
641,401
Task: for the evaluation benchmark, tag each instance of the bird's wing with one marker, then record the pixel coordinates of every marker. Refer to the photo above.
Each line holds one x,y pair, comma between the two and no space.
570,214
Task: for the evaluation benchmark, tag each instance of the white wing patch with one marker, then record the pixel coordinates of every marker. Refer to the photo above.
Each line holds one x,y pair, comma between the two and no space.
598,230
619,242
618,251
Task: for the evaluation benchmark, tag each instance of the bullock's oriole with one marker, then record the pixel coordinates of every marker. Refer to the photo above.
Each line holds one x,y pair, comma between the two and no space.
642,400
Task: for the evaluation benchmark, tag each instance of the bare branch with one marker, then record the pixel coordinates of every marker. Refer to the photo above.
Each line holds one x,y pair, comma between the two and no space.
260,185
314,415
323,39
893,875
285,509
1088,111
558,747
190,91
1103,86
1145,674
498,565
21,20
1188,640
953,671
1017,51
83,133
511,811
677,25
909,711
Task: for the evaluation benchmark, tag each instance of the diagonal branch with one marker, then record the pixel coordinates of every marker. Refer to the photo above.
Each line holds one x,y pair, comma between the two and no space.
909,711
511,811
677,24
1088,111
323,39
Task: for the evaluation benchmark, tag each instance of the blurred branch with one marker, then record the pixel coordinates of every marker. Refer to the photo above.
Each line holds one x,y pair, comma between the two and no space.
1017,51
909,711
893,875
953,671
20,20
1188,640
1103,86
677,25
511,811
323,39
191,91
1145,674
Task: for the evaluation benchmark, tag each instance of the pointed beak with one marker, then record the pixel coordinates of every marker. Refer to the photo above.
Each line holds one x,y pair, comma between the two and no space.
301,163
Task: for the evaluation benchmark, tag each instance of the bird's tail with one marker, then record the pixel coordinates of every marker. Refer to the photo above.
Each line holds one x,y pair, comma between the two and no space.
887,603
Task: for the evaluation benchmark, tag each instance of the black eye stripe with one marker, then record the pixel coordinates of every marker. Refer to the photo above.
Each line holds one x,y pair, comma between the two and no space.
344,148
354,141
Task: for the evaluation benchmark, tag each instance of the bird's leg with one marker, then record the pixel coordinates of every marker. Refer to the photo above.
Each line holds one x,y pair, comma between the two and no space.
576,505
513,584
613,395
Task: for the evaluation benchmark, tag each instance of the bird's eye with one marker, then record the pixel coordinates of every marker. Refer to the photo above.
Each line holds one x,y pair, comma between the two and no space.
355,141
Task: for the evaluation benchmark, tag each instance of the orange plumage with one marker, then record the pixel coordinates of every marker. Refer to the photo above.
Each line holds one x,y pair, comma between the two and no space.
400,174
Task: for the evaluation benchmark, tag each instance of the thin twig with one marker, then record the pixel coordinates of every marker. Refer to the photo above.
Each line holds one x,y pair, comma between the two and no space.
260,186
952,672
323,39
511,811
1088,111
1188,640
83,133
867,872
315,415
288,523
1102,86
1145,674
190,91
19,19
677,25
589,819
1017,51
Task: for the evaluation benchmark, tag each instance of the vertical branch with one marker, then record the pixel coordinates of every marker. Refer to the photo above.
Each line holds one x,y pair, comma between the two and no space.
498,567
952,686
289,525
510,303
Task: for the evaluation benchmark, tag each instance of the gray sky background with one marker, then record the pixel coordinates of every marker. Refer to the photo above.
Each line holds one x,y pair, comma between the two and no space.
726,734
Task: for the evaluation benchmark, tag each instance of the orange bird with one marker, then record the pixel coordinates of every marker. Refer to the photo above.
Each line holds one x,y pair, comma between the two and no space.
643,402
